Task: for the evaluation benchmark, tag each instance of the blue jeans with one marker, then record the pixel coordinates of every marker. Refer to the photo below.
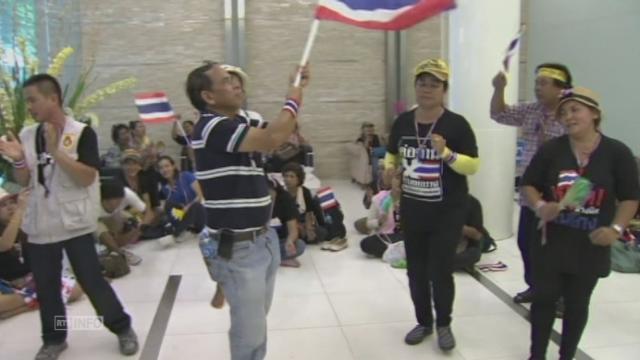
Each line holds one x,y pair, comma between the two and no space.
248,280
300,246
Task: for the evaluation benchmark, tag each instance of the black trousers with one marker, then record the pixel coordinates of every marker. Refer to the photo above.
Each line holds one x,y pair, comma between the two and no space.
193,219
468,257
46,265
550,285
431,238
526,230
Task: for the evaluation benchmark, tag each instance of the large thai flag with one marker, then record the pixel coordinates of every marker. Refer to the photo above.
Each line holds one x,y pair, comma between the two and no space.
381,14
154,108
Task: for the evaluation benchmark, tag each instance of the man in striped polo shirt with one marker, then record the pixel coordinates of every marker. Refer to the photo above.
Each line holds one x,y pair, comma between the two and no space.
237,200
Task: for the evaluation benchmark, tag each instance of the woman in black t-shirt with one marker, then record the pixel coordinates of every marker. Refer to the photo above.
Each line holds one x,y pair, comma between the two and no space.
572,250
436,149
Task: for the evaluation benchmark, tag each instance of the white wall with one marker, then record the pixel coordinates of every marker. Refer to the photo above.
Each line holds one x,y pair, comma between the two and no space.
600,42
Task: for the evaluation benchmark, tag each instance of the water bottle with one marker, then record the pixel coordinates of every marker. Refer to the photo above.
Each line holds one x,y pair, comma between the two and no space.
209,250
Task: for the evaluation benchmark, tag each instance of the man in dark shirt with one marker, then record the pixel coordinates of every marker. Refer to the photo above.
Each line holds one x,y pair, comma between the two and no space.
237,200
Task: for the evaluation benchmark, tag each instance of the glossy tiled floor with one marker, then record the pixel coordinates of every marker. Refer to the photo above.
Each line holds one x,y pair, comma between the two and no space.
337,306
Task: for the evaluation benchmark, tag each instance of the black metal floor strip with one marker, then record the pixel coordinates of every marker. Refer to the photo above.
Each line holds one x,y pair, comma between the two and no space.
519,309
151,350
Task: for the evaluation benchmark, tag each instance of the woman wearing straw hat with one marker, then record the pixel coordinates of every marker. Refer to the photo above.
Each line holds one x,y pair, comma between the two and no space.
573,247
436,149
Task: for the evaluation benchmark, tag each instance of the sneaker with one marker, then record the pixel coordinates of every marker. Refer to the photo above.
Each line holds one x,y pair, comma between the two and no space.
338,244
417,334
128,342
327,244
166,241
446,341
524,297
51,351
132,259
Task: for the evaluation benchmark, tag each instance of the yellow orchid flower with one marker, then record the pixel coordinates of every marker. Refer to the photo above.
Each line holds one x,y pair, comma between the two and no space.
55,69
103,93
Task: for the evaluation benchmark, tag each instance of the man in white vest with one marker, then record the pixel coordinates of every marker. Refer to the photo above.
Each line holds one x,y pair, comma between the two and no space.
58,158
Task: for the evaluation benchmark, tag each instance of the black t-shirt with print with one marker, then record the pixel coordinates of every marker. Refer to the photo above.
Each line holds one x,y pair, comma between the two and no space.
613,172
285,210
12,264
427,181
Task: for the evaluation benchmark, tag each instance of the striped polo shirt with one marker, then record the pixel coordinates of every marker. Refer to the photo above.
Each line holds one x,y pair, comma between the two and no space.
233,183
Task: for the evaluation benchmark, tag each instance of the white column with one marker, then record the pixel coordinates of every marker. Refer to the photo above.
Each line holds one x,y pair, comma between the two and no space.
479,32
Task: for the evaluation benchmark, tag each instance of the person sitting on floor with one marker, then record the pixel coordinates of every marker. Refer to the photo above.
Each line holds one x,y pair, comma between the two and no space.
17,287
117,227
311,218
143,184
384,220
183,199
475,239
186,152
284,220
320,218
121,137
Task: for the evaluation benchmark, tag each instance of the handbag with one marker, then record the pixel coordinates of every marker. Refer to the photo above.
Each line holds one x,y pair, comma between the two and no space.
114,265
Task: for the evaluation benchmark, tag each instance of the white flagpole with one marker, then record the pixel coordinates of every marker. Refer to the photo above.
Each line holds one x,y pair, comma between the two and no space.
307,49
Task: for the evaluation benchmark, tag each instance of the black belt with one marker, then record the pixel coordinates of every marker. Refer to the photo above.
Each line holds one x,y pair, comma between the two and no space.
226,238
236,236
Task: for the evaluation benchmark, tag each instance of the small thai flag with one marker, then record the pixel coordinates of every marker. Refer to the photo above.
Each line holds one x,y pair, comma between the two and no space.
512,49
154,108
327,198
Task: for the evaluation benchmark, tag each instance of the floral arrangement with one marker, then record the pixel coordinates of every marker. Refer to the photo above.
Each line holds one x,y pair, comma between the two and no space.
13,110
76,99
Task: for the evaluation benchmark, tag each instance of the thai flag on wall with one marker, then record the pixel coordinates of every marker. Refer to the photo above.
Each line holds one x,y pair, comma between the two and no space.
381,14
327,198
154,108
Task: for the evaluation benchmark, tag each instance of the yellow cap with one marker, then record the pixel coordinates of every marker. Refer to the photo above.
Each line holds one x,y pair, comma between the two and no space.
435,67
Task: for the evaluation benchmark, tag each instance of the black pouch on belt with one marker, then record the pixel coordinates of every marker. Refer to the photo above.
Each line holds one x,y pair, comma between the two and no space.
225,246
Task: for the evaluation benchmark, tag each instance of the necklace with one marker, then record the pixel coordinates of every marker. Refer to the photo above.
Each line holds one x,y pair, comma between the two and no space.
422,142
584,156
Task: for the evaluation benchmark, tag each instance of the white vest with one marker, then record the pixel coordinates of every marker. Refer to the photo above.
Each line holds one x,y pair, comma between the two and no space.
70,210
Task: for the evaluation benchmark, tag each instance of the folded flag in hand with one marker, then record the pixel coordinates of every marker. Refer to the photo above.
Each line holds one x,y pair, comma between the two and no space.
327,198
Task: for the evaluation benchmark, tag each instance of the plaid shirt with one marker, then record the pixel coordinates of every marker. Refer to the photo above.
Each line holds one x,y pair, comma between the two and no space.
537,126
